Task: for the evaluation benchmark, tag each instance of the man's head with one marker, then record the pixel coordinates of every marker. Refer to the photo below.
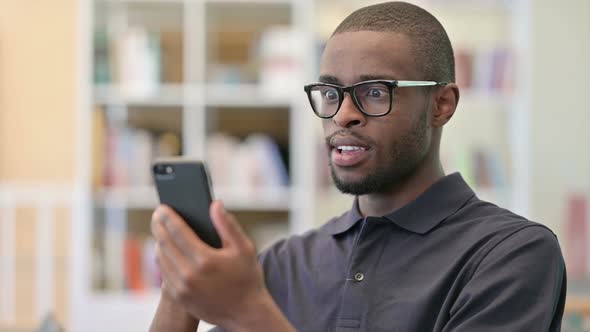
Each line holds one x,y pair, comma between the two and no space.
430,45
390,41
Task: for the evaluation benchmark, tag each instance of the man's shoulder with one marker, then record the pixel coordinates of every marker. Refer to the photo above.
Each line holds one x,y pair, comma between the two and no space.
490,228
490,219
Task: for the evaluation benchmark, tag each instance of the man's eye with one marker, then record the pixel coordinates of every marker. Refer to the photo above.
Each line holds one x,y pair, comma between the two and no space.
331,95
375,93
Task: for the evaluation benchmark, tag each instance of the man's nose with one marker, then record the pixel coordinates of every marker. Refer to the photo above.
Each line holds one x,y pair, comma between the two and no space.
349,115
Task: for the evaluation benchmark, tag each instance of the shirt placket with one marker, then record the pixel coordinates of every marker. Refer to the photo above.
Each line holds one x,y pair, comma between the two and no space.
356,293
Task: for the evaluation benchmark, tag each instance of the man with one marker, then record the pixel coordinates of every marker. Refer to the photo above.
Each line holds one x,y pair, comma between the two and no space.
418,251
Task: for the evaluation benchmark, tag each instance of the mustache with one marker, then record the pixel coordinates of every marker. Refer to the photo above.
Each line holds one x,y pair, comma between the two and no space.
350,133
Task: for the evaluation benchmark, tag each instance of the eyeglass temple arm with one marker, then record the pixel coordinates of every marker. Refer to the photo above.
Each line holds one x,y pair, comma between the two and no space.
402,84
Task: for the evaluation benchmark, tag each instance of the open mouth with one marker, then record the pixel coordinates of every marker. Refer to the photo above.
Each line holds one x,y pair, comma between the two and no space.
348,151
349,148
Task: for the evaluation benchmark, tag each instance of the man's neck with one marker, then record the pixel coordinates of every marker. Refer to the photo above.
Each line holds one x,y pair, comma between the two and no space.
403,192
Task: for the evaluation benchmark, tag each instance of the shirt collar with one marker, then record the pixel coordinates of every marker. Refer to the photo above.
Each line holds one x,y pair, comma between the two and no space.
442,199
345,222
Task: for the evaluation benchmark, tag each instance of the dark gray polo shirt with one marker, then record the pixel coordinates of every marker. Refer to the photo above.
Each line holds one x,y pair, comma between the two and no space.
447,261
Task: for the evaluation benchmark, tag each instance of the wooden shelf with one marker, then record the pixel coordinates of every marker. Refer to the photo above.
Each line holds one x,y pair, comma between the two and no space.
242,95
263,199
216,95
145,197
166,95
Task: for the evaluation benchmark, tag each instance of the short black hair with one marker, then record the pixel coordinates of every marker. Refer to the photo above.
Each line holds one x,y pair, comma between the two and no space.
430,42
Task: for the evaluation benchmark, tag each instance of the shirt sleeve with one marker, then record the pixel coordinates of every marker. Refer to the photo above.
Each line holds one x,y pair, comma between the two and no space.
519,285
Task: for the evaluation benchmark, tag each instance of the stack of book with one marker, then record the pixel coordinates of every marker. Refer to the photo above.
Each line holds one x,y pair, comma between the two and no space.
246,164
123,155
137,60
482,167
485,70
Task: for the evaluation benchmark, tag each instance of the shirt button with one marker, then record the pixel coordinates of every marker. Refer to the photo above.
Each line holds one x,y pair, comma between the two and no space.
359,276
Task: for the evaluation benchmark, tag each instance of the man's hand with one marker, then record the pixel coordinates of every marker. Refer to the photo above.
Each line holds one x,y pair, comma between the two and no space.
222,286
171,316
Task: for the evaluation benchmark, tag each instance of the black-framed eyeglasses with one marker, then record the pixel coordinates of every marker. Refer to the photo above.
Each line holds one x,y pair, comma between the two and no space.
373,98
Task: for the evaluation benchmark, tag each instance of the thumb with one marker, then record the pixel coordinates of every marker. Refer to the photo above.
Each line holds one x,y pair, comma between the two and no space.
230,231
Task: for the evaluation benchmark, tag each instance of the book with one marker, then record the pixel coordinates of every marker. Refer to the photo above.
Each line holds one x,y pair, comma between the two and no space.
134,276
102,60
268,163
123,155
280,50
98,147
464,68
138,62
576,229
246,164
115,232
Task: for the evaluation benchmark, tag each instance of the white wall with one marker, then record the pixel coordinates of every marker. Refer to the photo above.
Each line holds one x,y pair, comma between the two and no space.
560,112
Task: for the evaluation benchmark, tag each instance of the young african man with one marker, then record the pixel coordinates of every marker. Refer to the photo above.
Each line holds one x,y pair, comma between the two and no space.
418,251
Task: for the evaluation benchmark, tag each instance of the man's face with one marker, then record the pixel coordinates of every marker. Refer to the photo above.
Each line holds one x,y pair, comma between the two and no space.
371,154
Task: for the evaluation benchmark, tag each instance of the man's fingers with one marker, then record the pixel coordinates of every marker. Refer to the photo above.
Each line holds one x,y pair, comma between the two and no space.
166,248
180,233
170,280
225,223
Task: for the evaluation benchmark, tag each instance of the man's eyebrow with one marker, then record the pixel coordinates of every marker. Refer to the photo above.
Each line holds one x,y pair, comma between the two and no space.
376,77
330,79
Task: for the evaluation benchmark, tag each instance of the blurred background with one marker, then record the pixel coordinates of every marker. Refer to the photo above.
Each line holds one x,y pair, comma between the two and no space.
91,91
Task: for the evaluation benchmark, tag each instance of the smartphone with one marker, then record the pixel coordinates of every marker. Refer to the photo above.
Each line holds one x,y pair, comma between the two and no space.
185,186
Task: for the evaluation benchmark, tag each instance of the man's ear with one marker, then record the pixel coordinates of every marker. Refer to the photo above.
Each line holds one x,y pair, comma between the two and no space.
445,104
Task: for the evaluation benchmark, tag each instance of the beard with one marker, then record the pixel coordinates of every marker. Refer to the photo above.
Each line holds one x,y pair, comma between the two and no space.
403,158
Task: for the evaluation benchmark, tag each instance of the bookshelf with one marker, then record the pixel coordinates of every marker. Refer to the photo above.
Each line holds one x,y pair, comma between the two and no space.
213,74
198,78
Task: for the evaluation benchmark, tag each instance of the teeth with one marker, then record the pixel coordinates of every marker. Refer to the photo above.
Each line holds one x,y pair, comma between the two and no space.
349,148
